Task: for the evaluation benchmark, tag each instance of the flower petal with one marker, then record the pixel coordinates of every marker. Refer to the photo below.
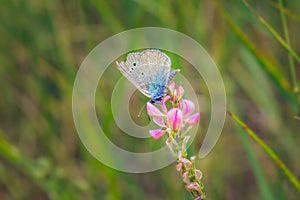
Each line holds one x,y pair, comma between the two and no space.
186,178
153,111
174,118
172,87
156,134
186,163
163,103
179,167
160,121
193,119
180,92
187,107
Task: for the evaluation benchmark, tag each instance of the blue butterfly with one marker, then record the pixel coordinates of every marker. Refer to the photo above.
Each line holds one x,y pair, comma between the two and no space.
150,72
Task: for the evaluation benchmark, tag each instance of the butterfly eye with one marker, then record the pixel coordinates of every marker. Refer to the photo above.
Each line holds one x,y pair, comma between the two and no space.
134,64
142,73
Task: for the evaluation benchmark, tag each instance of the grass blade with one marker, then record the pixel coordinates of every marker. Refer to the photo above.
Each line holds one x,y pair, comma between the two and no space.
274,33
268,151
272,70
290,57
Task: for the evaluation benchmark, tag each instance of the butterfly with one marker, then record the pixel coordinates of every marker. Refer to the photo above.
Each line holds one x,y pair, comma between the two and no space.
150,72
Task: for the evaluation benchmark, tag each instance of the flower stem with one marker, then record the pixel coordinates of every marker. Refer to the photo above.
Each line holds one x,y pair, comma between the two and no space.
186,167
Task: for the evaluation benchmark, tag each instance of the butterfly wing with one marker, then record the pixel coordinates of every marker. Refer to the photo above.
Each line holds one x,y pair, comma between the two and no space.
130,69
148,71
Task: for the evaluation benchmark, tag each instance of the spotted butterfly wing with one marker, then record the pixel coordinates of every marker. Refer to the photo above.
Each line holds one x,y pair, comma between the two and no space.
149,71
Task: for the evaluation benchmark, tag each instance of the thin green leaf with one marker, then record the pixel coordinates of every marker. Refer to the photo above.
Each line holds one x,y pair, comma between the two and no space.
289,175
272,70
274,33
287,38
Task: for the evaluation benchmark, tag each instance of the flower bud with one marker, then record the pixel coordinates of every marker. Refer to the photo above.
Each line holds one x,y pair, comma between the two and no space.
193,186
198,175
193,158
187,163
199,198
179,167
185,178
180,92
172,87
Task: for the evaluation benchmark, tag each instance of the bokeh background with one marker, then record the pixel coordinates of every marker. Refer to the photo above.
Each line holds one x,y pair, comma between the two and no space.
42,46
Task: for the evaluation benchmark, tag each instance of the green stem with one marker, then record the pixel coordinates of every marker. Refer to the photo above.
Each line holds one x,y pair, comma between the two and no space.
290,57
269,152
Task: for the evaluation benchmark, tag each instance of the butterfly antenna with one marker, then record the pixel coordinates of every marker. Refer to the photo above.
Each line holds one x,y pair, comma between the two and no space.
139,115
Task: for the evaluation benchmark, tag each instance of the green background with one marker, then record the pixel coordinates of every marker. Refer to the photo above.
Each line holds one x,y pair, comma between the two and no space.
42,46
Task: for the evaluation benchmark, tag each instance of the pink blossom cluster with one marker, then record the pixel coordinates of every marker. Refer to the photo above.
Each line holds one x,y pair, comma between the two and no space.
176,118
176,121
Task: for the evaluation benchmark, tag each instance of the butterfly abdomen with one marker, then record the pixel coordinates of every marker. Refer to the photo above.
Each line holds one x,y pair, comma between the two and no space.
158,87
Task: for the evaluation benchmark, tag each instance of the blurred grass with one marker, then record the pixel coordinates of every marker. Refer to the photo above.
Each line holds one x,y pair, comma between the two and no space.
284,44
43,44
269,152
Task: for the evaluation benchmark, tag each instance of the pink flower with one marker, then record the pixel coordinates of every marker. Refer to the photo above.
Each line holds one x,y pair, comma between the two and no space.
163,103
174,119
188,108
153,111
156,134
193,119
176,93
176,122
